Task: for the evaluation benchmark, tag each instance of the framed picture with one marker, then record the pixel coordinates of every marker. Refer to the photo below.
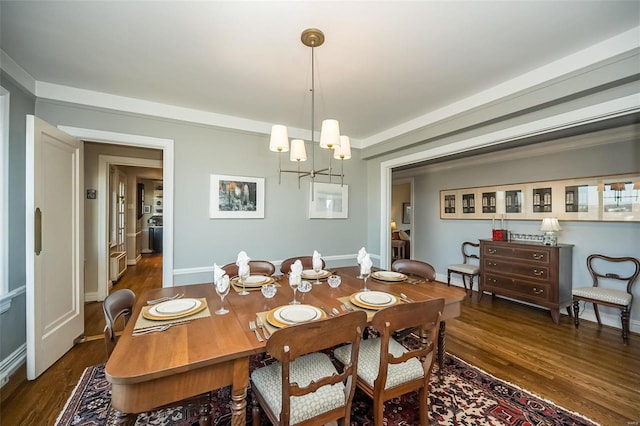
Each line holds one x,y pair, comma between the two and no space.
406,213
328,201
236,197
146,209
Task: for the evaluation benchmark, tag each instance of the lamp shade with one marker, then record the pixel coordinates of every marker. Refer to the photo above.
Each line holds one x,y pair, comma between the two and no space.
636,185
343,152
550,224
618,186
279,141
393,225
330,134
298,151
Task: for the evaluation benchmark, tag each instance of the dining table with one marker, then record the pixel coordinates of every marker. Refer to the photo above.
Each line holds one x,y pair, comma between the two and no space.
205,351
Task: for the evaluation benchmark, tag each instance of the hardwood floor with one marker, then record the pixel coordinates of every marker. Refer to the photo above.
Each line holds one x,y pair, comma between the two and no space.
588,371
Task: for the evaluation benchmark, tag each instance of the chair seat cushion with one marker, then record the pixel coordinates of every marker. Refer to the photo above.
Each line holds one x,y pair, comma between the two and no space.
465,268
603,294
369,363
268,381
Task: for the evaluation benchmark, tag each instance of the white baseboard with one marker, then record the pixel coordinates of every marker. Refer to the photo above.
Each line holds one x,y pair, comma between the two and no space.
10,364
91,297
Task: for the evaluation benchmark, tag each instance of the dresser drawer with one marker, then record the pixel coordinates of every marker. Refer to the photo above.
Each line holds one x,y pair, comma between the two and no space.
537,255
495,250
535,272
525,290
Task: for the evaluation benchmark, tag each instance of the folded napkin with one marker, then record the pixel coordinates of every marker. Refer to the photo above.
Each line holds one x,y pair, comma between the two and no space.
295,276
218,273
361,254
222,285
243,264
317,260
365,265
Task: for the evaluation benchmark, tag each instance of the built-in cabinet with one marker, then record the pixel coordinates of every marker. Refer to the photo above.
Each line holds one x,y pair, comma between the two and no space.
530,272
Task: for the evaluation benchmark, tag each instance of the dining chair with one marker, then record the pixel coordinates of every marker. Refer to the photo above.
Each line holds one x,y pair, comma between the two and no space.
259,267
117,304
468,268
307,263
606,269
315,392
414,267
387,369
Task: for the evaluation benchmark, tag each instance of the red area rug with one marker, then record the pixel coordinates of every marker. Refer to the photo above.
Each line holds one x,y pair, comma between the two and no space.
465,396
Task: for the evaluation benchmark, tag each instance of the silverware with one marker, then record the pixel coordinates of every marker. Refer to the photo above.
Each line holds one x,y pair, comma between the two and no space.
252,326
326,311
157,328
262,327
346,308
335,311
405,298
164,299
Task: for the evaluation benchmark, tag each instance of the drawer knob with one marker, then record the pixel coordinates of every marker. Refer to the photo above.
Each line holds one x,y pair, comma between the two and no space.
491,251
493,280
536,291
538,273
538,256
492,264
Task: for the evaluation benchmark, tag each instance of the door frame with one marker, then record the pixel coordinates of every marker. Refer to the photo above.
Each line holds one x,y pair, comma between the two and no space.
126,139
104,161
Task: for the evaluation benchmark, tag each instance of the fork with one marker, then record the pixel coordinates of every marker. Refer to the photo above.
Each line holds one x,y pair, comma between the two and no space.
157,328
262,327
405,298
164,299
346,308
252,326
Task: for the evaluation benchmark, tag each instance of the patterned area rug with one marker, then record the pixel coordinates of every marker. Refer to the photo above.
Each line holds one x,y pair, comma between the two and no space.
465,396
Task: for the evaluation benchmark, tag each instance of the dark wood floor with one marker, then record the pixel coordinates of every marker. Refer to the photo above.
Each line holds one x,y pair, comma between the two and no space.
588,371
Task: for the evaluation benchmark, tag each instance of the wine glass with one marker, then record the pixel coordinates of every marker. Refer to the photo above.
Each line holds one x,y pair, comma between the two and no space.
294,282
364,277
243,275
222,288
317,268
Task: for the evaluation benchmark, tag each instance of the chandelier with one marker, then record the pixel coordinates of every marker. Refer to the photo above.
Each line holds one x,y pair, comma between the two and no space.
330,137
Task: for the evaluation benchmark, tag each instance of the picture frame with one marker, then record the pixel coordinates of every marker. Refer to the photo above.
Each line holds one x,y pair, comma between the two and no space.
146,209
236,197
328,201
406,213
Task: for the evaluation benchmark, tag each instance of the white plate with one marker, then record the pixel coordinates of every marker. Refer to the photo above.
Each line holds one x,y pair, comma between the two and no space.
310,273
375,298
256,279
297,314
174,307
389,275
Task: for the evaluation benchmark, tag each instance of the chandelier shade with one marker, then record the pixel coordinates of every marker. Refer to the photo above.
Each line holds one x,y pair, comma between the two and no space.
298,151
279,141
330,134
343,152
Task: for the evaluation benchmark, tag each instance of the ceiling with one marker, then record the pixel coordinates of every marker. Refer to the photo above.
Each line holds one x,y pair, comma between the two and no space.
384,64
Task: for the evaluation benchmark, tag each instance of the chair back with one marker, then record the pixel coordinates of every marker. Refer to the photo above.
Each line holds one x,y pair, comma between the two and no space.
307,263
425,315
287,344
258,267
470,251
601,267
117,304
415,267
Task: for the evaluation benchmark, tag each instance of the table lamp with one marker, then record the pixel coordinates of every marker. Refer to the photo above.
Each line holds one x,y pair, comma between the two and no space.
550,226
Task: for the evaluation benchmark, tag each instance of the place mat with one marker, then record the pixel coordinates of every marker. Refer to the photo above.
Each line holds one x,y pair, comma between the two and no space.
143,322
238,287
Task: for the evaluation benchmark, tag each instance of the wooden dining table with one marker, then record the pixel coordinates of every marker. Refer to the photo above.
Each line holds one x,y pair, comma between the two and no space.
155,369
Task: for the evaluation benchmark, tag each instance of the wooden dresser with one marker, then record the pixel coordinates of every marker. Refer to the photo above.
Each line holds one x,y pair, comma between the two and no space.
530,272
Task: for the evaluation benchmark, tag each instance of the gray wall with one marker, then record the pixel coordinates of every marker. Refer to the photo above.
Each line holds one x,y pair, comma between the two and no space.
201,151
13,321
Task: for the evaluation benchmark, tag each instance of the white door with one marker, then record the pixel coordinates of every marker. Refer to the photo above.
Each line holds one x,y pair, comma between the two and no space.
55,250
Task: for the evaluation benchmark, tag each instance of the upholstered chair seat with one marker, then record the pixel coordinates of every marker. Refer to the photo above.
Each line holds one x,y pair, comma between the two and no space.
268,381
